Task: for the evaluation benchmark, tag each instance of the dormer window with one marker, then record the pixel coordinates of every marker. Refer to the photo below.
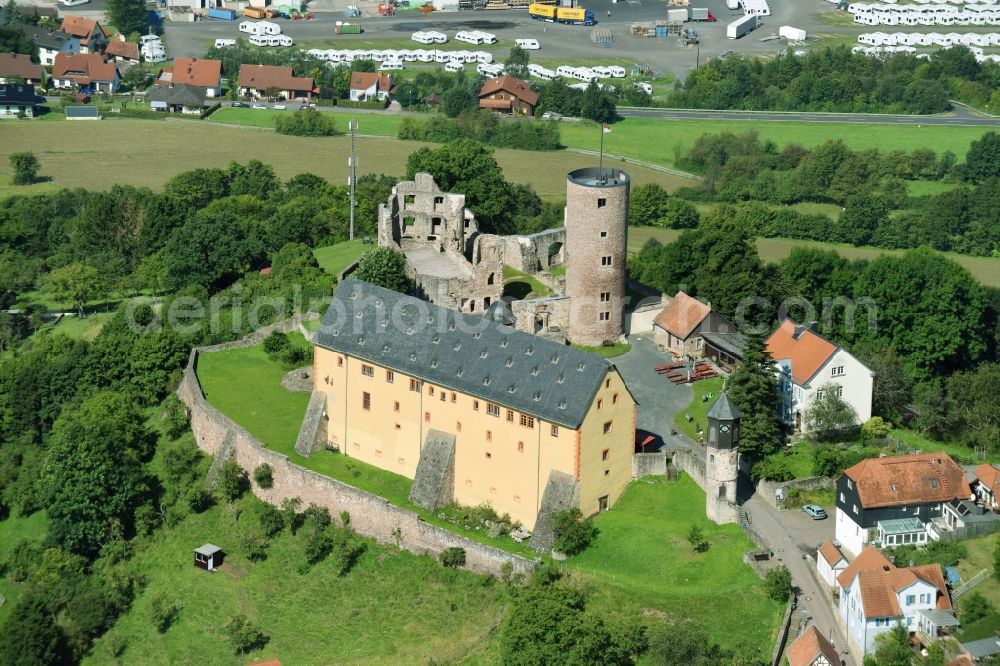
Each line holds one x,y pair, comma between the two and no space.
580,367
509,362
384,323
436,339
483,354
510,388
456,346
554,359
361,339
409,331
559,379
892,487
562,404
385,349
503,343
529,351
486,380
537,396
451,325
476,335
459,371
434,363
933,483
534,371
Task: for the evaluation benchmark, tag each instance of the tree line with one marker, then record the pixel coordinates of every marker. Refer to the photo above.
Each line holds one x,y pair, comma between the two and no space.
870,185
485,127
933,346
834,79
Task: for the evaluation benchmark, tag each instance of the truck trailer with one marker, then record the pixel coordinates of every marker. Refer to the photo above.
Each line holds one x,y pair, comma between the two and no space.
677,15
742,26
568,15
701,15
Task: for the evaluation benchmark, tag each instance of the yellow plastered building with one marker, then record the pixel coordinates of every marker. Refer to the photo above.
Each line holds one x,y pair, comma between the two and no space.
519,408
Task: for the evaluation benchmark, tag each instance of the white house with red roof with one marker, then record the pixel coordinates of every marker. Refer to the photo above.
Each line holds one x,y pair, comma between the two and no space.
808,365
876,596
830,562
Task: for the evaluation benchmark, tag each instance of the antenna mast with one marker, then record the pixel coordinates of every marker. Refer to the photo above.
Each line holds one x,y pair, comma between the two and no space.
352,164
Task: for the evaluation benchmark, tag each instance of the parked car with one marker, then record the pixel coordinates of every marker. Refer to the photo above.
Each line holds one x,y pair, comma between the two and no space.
239,105
815,510
279,107
259,106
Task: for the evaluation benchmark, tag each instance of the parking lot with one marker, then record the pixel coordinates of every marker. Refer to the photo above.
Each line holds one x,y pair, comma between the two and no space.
570,42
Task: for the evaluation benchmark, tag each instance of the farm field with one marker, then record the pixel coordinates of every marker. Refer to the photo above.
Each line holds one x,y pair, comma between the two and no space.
146,153
658,141
985,269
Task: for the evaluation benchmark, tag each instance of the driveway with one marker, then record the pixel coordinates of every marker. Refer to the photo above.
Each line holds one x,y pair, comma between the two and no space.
792,534
659,398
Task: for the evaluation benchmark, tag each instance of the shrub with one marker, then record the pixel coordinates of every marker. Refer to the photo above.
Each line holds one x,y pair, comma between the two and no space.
306,122
163,611
778,583
345,518
199,499
317,517
290,513
453,557
25,166
264,476
696,537
270,519
275,342
174,416
975,607
319,544
347,548
243,634
232,481
772,468
573,533
875,428
254,547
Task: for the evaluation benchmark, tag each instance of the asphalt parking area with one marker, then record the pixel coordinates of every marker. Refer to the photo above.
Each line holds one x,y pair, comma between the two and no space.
658,398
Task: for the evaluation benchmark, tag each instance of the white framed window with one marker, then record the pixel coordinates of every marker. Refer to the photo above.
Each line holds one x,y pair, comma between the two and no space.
840,391
837,371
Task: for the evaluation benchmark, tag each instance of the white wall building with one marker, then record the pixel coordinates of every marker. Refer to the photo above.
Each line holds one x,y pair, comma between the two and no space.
830,563
808,364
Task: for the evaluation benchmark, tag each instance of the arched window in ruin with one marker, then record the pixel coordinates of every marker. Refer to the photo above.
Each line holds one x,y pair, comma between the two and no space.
490,279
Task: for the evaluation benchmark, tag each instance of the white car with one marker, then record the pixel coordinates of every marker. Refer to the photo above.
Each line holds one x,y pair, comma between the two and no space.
279,107
644,87
528,44
454,66
259,106
72,3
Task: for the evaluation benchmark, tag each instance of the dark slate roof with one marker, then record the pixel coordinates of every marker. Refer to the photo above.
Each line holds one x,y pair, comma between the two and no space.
731,343
53,40
177,94
467,353
986,647
19,93
723,409
81,112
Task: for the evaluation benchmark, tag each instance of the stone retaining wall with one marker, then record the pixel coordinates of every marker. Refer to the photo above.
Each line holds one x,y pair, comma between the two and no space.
649,464
687,462
371,515
767,490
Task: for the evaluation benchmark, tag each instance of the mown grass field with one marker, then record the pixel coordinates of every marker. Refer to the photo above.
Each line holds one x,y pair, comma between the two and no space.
337,257
984,269
147,153
698,409
641,562
660,141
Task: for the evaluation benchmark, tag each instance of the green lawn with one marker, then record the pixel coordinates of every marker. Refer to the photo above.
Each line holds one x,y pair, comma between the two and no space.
800,459
248,117
371,124
13,530
698,409
392,607
984,269
225,377
642,562
961,453
522,285
920,188
335,258
657,140
607,351
80,328
980,556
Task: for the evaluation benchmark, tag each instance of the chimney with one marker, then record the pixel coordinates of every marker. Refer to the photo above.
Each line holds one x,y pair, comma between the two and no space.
813,325
798,331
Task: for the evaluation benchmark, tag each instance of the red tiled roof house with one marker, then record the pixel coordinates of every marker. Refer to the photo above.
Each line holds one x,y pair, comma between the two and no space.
85,71
812,648
260,81
368,86
678,327
88,31
205,74
830,562
900,500
505,94
808,365
877,596
15,65
121,51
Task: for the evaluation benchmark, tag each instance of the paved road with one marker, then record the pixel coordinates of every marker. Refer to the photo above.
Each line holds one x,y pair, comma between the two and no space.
958,117
791,534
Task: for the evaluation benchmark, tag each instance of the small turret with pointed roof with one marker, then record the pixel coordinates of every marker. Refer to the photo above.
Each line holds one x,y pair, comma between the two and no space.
723,409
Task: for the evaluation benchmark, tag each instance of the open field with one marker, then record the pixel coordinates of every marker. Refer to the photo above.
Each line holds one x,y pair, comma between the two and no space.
147,153
392,607
369,124
644,563
658,141
984,269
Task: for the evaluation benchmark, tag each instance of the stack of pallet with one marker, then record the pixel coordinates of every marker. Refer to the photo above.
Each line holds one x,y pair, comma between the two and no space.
497,4
642,30
519,4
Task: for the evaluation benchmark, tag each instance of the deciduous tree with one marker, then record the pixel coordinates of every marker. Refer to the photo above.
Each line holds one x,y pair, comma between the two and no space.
384,267
25,166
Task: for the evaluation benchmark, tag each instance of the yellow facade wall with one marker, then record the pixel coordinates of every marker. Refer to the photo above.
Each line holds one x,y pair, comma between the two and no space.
498,459
600,477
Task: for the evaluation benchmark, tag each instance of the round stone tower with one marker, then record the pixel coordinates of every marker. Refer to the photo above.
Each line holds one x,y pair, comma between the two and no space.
722,464
596,238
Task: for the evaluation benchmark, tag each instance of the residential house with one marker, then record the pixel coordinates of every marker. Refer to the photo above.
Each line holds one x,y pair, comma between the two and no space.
50,43
14,65
877,596
505,94
472,408
680,325
86,71
205,74
370,86
88,31
830,562
17,99
897,500
987,485
812,648
176,97
122,52
807,364
260,81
